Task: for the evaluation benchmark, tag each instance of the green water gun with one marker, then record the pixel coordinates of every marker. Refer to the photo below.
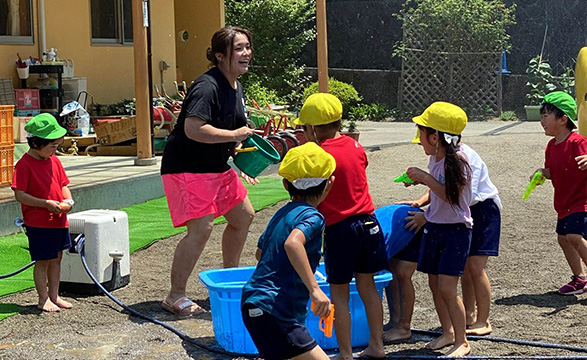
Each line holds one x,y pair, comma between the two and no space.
537,179
404,178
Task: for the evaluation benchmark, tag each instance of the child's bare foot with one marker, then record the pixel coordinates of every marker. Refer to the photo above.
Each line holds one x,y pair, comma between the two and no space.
459,350
341,357
479,329
370,354
441,341
47,305
395,334
62,303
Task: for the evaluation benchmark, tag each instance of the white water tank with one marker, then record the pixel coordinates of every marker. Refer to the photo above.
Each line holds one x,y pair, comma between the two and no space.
106,251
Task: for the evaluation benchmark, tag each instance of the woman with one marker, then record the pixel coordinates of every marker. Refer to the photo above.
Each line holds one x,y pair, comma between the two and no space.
198,182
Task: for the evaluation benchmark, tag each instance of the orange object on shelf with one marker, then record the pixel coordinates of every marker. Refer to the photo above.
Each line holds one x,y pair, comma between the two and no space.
6,126
6,164
326,322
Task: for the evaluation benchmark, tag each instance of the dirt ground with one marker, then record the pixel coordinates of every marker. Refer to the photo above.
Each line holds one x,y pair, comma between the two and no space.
525,277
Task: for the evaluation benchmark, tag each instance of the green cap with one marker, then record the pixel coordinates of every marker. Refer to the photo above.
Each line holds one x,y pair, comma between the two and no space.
565,102
45,126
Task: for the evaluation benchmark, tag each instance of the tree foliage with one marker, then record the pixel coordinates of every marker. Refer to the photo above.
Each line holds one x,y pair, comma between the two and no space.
281,29
458,25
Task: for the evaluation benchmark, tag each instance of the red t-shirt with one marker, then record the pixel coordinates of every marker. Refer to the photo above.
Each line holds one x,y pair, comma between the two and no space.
570,183
350,192
43,179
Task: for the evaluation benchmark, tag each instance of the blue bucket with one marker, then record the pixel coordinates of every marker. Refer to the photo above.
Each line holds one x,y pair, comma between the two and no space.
253,163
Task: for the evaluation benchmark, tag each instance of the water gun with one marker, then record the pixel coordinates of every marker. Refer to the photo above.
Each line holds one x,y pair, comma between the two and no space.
404,178
537,179
326,322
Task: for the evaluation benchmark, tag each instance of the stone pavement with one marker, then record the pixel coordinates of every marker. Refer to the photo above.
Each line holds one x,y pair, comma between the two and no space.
113,182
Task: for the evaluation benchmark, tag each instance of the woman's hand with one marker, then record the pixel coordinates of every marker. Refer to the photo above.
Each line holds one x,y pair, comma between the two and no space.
242,133
248,179
582,162
416,220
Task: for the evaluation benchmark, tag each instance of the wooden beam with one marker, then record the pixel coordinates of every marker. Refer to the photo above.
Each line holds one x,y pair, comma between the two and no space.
322,42
144,150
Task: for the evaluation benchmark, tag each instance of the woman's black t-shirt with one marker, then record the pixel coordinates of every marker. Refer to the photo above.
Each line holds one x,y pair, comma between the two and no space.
212,99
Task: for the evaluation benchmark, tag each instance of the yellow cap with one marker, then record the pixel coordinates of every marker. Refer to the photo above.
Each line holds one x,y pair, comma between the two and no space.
320,109
308,162
442,116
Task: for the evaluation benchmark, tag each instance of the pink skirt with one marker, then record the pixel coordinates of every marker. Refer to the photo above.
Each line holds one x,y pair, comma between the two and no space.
192,196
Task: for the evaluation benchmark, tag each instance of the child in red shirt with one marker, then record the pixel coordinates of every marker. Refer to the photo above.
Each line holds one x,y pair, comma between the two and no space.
353,241
564,156
40,185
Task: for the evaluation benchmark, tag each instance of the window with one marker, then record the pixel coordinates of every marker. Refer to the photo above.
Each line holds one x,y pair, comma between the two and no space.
111,22
16,22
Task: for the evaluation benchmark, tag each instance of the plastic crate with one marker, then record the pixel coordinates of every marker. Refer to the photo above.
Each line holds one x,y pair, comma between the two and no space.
6,91
27,99
27,112
225,288
6,126
6,164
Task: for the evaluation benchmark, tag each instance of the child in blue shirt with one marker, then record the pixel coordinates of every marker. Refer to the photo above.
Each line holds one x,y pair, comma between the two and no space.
274,300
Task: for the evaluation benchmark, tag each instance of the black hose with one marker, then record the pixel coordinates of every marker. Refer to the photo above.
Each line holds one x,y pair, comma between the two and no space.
17,271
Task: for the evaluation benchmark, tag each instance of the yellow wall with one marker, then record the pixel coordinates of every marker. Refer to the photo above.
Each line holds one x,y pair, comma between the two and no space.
201,18
108,68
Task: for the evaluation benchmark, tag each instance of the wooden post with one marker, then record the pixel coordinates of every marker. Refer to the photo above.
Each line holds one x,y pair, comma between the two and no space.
322,42
144,151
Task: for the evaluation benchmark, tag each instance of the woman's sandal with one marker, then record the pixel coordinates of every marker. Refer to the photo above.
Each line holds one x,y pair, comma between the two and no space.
183,307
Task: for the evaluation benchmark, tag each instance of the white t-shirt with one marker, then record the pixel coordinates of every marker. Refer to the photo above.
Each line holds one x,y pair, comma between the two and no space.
481,185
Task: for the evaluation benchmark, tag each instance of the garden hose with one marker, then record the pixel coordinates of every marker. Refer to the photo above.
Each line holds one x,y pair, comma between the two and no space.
17,271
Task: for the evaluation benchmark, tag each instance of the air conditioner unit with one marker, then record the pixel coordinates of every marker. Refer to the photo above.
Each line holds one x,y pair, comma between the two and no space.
106,252
72,87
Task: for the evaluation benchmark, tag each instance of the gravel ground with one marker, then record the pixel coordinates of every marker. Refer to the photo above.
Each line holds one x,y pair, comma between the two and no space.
525,277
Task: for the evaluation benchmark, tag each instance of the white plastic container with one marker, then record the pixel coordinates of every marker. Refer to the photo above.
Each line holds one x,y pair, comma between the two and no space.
106,250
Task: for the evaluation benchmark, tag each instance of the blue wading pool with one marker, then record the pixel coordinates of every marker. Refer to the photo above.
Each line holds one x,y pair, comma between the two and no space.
225,287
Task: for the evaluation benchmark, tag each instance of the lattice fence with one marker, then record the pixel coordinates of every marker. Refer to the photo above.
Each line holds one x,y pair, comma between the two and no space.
471,80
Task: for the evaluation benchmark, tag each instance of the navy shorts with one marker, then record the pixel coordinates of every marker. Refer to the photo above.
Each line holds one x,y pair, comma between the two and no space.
355,244
46,243
412,251
486,228
445,248
274,338
573,224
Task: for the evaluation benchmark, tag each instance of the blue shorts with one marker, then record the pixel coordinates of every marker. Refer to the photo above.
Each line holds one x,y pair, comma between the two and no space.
445,248
486,228
573,224
412,251
274,338
46,243
355,244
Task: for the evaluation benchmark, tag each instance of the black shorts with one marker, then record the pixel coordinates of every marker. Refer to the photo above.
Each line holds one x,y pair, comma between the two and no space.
46,243
573,224
355,244
445,248
412,251
486,228
276,339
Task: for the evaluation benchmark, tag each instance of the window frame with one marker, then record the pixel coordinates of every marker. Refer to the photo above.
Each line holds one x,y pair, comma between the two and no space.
19,39
119,40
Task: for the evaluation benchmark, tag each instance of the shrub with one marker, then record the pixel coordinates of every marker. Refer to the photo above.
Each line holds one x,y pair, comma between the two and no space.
346,93
261,94
280,29
508,116
539,80
373,112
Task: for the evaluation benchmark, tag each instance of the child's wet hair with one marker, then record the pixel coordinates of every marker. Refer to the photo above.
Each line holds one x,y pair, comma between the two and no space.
454,168
548,108
311,193
38,143
335,125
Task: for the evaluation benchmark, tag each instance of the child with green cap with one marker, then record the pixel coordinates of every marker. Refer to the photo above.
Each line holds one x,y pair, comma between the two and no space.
274,300
562,167
40,185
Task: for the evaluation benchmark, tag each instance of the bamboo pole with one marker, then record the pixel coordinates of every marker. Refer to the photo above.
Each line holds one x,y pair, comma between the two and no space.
144,150
322,43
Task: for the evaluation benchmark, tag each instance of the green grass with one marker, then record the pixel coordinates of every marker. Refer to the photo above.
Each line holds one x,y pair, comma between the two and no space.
148,222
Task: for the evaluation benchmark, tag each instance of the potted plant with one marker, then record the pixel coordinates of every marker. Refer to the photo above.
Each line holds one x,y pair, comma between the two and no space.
350,129
539,84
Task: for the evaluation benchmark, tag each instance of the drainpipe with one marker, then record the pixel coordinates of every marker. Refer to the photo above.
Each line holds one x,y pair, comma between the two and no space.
41,21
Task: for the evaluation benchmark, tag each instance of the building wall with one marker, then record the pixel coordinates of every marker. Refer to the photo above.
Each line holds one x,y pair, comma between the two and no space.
108,68
200,18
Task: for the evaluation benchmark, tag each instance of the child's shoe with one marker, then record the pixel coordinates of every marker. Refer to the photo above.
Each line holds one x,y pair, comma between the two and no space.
576,286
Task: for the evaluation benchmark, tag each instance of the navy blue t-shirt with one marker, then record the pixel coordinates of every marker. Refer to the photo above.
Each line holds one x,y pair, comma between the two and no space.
212,99
275,287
